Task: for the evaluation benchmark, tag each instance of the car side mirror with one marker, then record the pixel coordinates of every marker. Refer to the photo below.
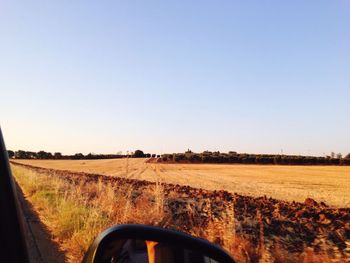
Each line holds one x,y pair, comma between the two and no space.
148,244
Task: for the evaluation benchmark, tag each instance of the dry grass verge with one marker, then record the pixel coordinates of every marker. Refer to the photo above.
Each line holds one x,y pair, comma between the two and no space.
75,214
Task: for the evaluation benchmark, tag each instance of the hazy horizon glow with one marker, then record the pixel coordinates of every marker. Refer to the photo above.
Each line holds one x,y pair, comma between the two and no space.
162,76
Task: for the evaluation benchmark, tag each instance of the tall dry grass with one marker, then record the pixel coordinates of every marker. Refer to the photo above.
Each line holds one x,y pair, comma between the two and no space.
75,214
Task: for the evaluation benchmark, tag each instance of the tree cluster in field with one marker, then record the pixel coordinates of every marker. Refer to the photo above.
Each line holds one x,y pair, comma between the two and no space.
244,158
78,156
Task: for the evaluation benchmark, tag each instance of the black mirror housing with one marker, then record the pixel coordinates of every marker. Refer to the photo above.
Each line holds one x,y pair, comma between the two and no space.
112,244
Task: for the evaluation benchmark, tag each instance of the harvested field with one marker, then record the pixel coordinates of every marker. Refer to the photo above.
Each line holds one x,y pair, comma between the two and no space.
329,184
250,228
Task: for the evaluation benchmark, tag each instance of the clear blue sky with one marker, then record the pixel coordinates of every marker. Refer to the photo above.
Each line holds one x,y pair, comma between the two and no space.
164,76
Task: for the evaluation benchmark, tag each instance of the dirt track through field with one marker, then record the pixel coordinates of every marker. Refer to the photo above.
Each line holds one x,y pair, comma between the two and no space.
329,184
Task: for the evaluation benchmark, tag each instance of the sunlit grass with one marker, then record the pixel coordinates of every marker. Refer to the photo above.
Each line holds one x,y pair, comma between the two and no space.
69,211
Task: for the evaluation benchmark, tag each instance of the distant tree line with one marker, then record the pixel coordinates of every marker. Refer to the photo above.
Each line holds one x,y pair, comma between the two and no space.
244,158
191,157
20,154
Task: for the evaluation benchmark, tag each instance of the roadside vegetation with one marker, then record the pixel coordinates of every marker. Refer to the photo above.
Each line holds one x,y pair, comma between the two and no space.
76,213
